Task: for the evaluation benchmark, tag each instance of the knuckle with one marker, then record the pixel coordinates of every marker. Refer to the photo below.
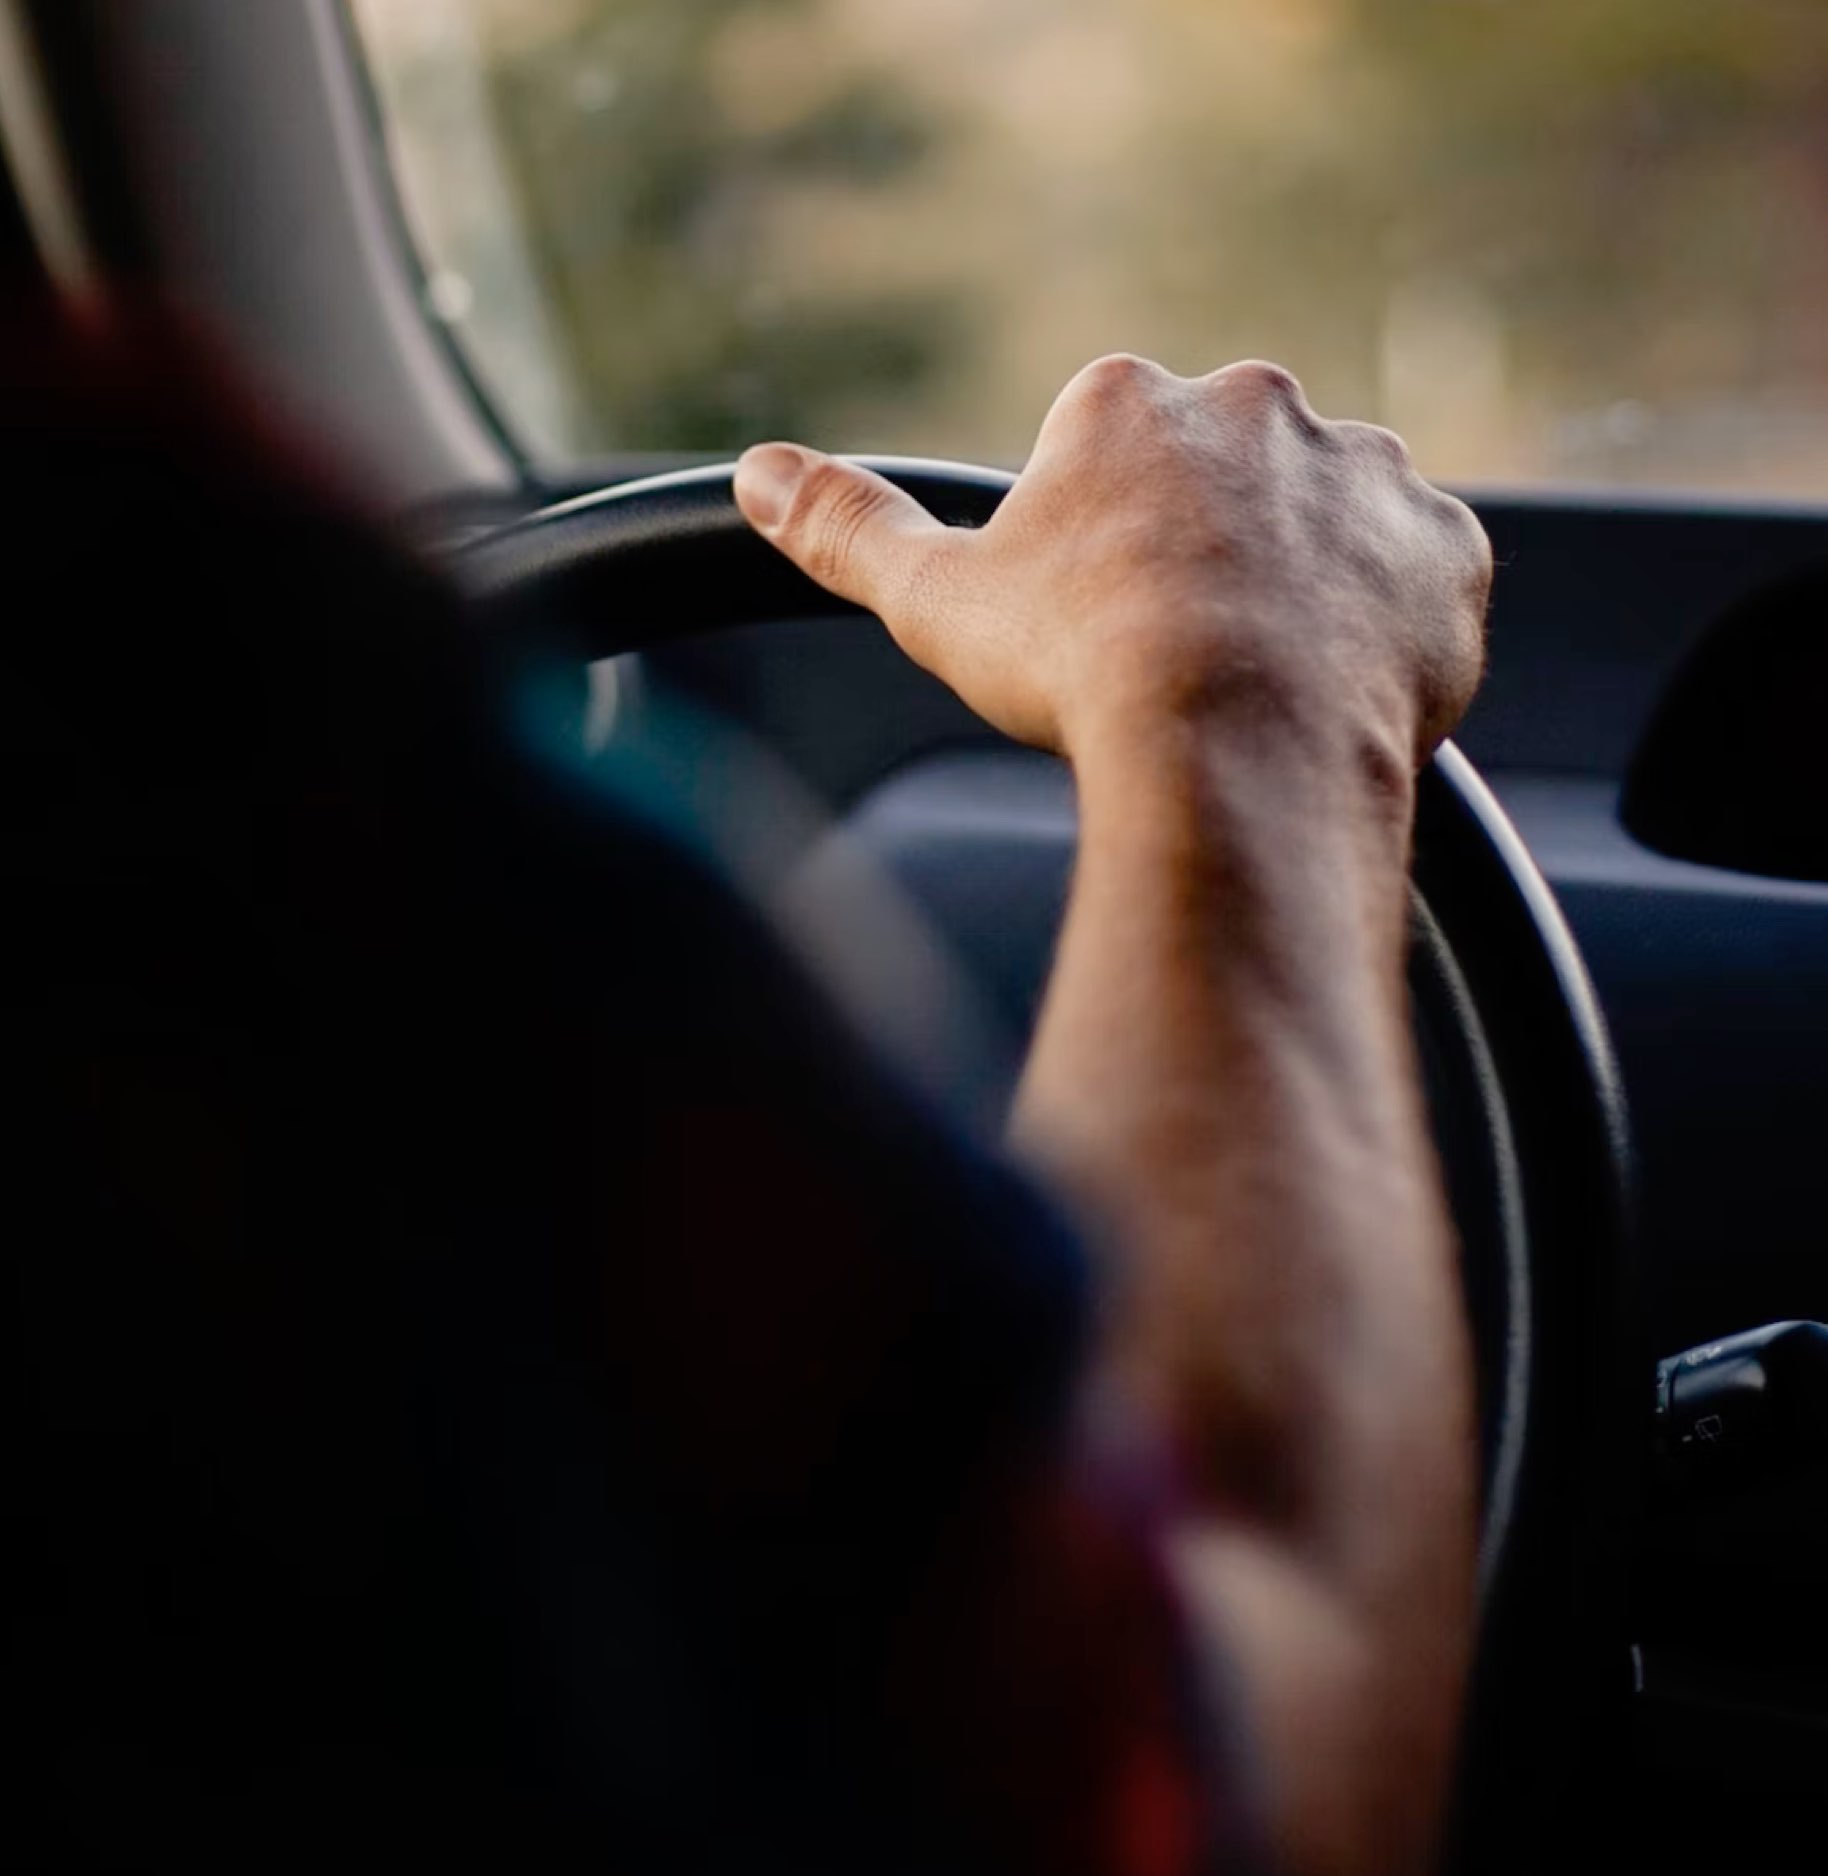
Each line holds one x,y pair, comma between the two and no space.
1475,545
1381,444
1117,374
834,507
1484,563
1260,381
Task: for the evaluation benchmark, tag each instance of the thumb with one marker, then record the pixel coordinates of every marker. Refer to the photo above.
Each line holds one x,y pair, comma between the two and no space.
857,535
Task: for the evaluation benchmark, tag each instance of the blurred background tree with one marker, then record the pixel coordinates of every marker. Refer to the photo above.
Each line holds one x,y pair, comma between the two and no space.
1570,238
639,170
643,177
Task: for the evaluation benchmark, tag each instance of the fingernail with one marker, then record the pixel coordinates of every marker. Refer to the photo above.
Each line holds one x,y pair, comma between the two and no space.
766,479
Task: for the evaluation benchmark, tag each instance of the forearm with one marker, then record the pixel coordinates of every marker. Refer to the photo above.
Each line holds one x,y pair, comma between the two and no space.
1223,1067
1223,1064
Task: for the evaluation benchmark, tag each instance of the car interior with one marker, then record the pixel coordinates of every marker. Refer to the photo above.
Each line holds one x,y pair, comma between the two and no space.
1620,973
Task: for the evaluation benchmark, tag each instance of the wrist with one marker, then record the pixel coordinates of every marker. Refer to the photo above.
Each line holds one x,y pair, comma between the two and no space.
1243,747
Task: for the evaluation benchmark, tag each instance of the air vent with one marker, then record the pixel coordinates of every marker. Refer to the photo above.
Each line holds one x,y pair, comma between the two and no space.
1733,771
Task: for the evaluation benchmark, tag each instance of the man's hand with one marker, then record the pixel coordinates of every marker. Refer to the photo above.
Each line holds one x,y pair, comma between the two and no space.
1169,537
1245,627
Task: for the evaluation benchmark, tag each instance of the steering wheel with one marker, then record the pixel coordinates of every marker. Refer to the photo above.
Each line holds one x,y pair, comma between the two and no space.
1523,1095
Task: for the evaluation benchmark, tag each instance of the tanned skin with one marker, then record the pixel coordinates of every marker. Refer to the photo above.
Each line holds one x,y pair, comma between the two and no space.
1245,627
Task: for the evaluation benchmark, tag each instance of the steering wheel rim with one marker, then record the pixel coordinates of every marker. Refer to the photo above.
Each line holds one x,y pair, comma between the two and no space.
641,563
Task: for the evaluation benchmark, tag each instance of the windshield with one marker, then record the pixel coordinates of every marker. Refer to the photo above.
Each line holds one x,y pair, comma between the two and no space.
1555,241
